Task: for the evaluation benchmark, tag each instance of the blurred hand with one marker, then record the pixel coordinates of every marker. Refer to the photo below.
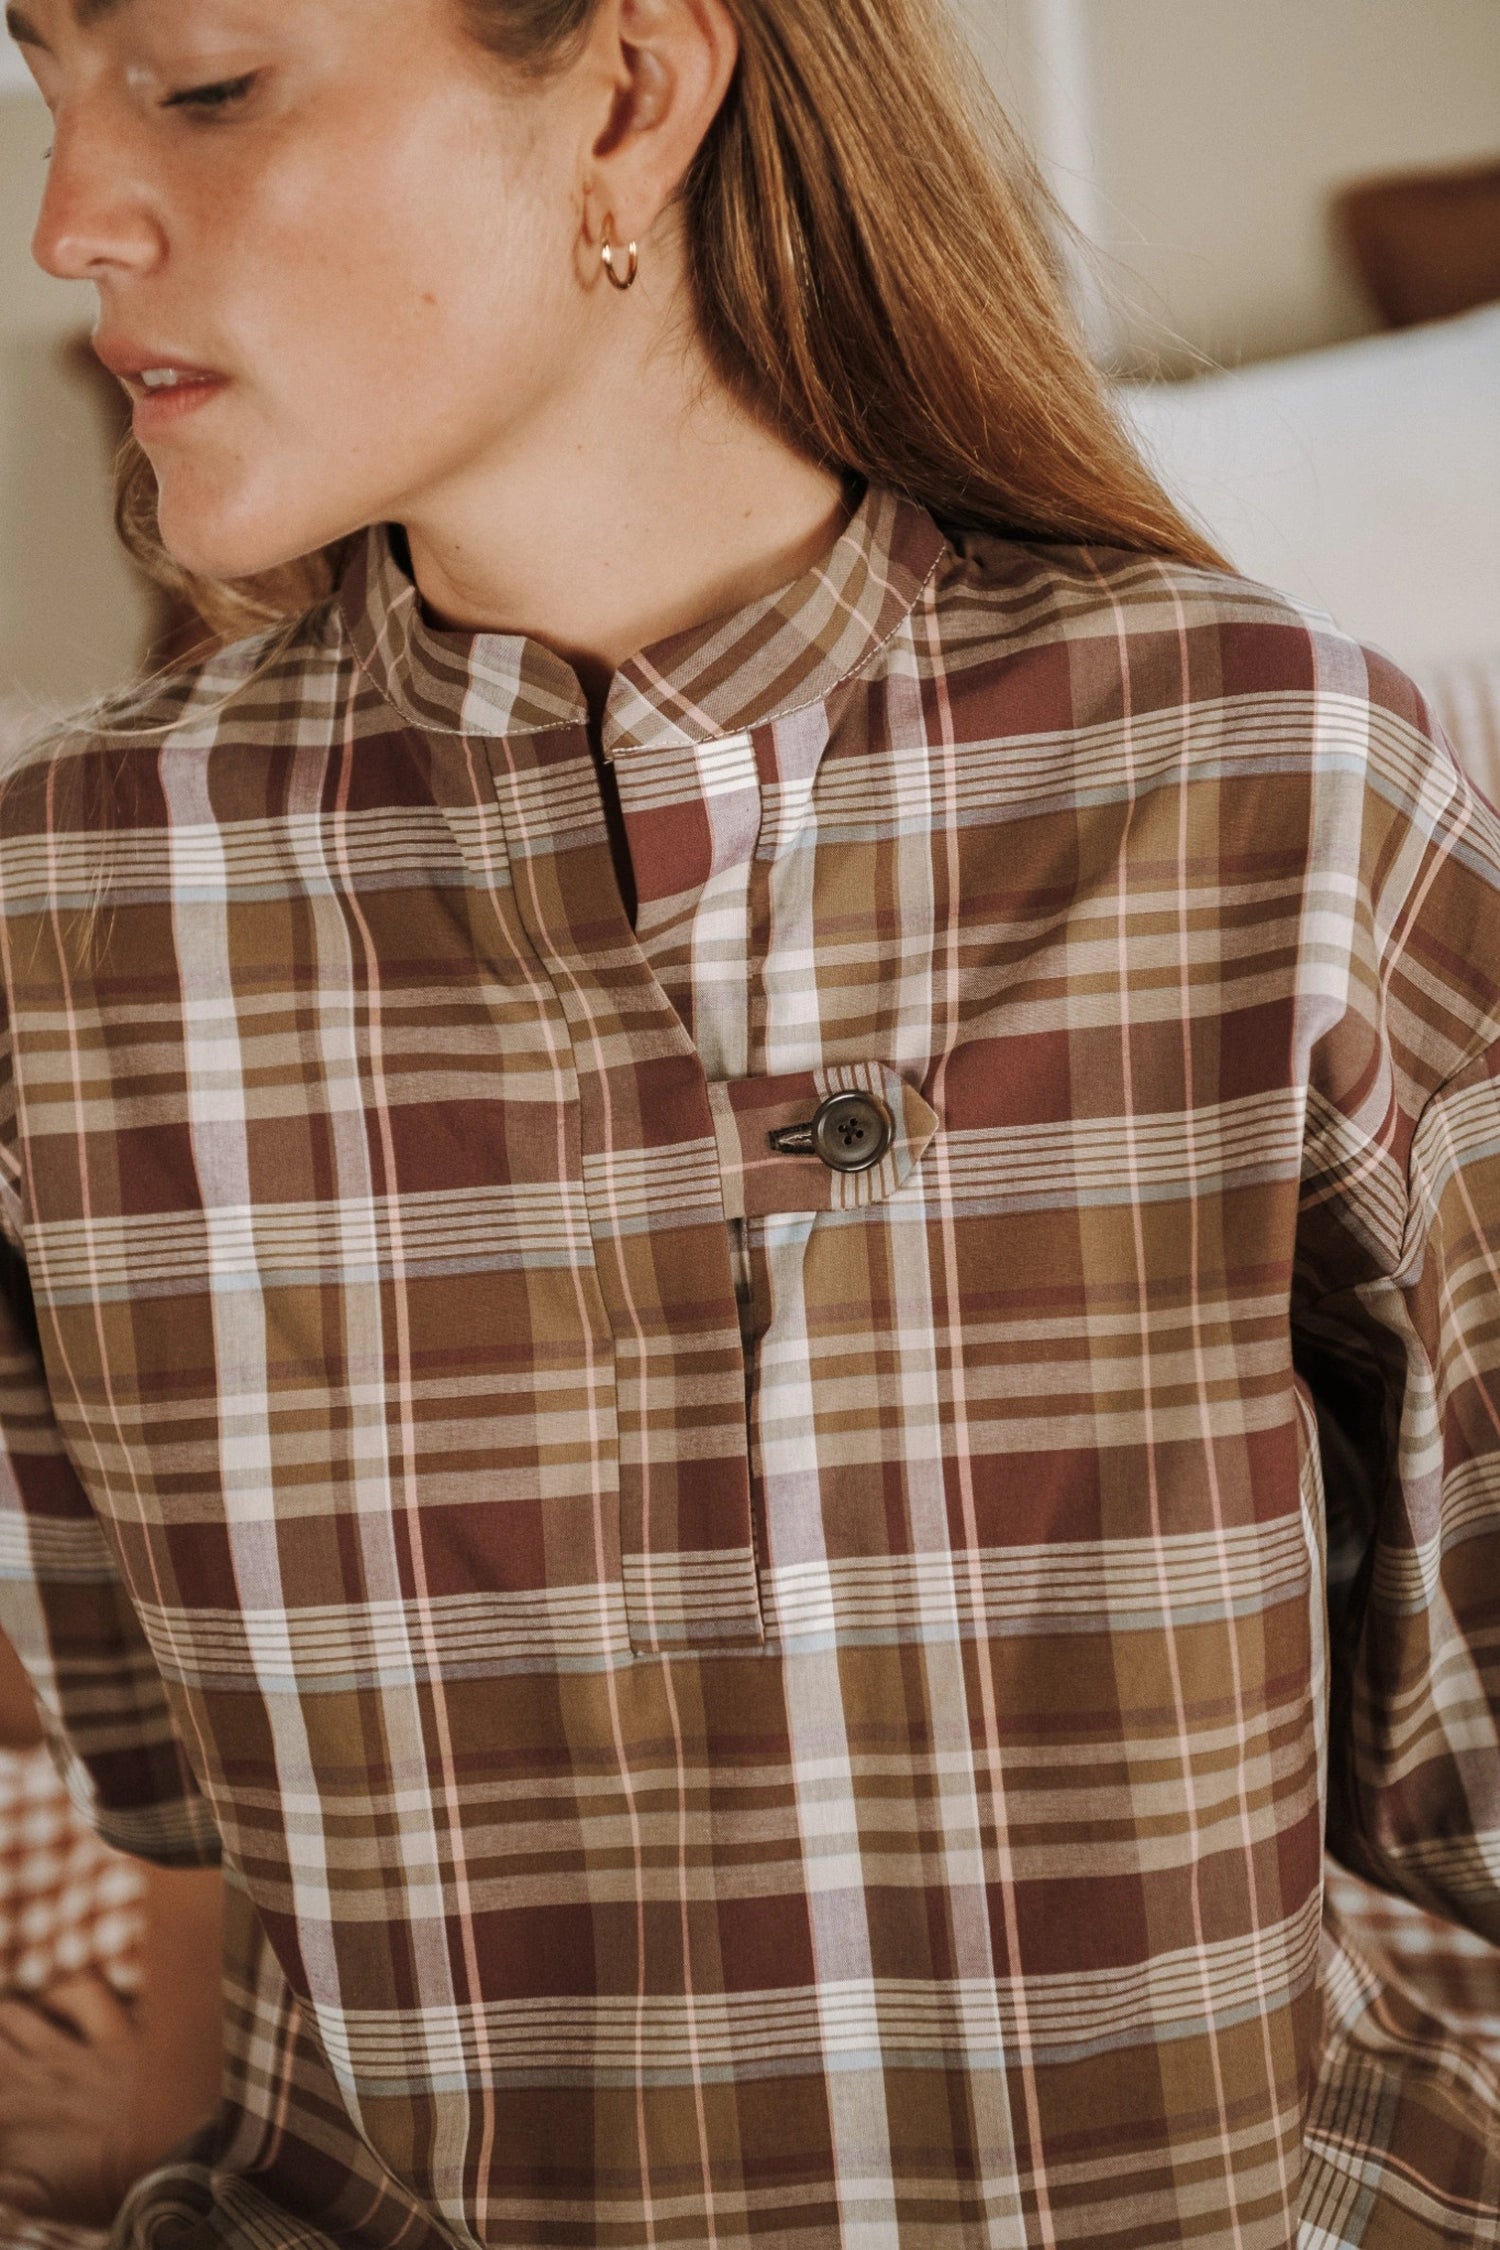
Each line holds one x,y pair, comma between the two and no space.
69,2062
94,2093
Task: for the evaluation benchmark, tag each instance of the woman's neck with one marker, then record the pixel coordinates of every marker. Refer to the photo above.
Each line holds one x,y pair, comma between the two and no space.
645,501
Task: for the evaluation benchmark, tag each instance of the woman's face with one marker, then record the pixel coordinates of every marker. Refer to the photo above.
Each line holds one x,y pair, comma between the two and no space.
350,234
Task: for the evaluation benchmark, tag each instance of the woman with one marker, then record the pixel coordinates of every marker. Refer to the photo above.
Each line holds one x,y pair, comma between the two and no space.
720,1167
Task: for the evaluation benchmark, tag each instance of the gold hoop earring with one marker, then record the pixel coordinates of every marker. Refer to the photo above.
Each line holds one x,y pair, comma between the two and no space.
607,254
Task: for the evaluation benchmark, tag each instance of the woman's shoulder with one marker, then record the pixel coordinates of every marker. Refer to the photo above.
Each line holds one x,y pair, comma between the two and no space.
1315,761
1116,639
1038,593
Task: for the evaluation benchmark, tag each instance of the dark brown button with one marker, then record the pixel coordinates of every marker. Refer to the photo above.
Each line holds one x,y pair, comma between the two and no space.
851,1132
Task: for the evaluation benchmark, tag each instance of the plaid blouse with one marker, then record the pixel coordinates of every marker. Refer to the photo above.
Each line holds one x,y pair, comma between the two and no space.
757,1691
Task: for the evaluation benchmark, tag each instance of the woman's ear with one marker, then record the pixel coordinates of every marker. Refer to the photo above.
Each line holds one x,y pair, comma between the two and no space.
669,64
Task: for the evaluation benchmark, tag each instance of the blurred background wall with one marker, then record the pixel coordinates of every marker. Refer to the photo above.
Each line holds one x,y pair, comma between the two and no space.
71,617
1198,142
1195,142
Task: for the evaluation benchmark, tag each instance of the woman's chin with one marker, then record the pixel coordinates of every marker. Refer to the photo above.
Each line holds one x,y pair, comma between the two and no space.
226,542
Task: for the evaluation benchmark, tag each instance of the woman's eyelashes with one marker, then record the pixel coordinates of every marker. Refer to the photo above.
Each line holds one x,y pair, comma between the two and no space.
220,97
215,99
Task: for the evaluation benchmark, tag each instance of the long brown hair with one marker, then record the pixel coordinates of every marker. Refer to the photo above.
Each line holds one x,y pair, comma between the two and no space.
871,258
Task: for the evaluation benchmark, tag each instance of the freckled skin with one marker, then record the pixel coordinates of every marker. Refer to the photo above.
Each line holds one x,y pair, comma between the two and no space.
389,242
377,246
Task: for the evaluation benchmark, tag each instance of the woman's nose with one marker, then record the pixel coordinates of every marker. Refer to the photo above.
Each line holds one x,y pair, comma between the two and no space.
96,217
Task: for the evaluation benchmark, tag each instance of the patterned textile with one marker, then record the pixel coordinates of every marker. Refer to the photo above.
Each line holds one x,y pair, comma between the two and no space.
747,1702
1451,1972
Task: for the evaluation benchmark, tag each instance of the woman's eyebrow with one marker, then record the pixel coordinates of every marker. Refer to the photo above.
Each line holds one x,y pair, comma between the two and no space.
24,34
85,13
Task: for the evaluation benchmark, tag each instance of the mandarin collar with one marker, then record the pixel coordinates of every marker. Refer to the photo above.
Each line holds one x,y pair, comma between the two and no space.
778,654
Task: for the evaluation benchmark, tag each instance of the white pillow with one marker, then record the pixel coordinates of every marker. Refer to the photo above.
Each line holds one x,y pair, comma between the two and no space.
1364,479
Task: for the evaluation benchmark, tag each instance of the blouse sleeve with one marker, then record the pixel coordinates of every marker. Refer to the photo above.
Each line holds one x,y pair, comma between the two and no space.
67,1615
103,1705
1397,1327
1407,1382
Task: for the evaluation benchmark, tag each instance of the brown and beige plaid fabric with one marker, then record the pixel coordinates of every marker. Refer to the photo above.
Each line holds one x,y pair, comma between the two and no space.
747,1702
1450,1972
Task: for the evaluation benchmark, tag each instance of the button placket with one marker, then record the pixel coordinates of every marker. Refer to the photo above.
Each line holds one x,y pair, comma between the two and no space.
651,1182
873,1125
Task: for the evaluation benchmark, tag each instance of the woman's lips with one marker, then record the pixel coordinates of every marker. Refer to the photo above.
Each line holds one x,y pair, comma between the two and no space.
160,407
164,386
